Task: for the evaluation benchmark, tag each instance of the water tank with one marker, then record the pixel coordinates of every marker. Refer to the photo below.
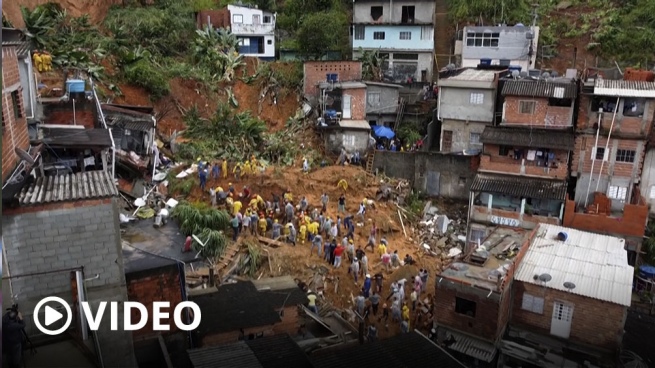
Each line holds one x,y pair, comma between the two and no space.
332,77
511,68
75,86
504,62
485,62
647,272
562,236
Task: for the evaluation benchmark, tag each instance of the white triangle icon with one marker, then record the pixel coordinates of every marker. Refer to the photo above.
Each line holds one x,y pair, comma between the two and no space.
51,315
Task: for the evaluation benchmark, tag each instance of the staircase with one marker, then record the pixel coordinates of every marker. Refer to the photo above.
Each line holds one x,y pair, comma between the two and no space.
227,258
442,37
400,114
369,161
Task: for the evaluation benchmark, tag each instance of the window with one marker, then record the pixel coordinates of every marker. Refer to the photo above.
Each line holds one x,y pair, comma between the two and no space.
462,181
373,98
376,12
598,153
348,140
407,15
617,192
269,42
527,107
244,42
256,19
652,192
405,35
378,35
533,304
237,18
504,150
482,39
476,98
401,56
474,138
634,106
465,307
15,100
625,155
427,33
359,32
267,19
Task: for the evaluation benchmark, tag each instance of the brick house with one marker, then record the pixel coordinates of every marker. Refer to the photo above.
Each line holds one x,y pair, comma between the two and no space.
522,179
315,72
240,311
466,105
64,223
473,295
570,295
615,120
14,122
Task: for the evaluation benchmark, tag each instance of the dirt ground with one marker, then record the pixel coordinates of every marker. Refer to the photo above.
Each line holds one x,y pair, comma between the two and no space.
299,263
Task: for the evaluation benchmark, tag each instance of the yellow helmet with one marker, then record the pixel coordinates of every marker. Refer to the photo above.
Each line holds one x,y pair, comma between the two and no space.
276,221
199,159
229,183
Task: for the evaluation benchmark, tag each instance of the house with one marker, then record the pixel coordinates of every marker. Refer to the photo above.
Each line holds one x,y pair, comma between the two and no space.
466,105
14,116
403,33
614,124
28,77
316,72
499,45
278,351
473,294
240,311
255,29
61,231
133,127
382,103
219,18
411,349
571,293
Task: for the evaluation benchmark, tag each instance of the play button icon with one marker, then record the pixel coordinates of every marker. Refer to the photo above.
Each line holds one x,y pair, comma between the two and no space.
52,315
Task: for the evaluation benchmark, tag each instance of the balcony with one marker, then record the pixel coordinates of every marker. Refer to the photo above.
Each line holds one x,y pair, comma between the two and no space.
253,29
508,165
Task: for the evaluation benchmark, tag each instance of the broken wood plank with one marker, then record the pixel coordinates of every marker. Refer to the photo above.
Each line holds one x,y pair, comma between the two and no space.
270,242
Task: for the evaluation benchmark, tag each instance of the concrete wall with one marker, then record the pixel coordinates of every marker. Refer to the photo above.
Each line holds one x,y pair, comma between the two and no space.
594,322
335,139
456,104
397,70
544,116
156,285
316,71
381,100
512,45
14,130
63,236
392,12
420,37
453,173
647,185
461,135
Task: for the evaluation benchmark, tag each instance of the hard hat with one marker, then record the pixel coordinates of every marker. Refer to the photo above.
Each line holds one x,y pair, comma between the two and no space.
229,183
368,275
355,258
276,221
350,241
199,159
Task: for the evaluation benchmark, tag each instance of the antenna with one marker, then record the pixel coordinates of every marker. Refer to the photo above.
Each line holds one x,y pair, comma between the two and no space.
544,277
24,156
515,74
569,286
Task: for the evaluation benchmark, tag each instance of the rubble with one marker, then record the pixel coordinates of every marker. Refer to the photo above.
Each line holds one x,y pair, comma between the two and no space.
439,235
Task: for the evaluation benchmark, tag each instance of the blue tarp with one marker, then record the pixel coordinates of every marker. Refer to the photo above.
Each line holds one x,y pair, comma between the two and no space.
382,131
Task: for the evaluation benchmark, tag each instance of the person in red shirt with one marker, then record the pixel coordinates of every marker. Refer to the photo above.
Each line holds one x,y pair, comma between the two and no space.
187,244
338,251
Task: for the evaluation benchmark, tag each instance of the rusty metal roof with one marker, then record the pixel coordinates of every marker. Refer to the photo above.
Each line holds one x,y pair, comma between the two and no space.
623,88
74,138
543,89
520,186
68,187
531,138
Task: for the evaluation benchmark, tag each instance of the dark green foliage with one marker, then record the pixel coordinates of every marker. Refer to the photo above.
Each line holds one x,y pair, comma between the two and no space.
144,74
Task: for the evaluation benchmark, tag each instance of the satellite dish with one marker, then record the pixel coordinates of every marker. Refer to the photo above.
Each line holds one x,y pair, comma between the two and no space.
545,75
569,285
544,277
515,74
555,74
451,67
24,155
524,74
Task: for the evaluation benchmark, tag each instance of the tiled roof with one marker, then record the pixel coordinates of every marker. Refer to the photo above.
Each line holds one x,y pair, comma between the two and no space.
520,186
70,187
470,346
75,138
233,355
531,138
531,88
408,350
596,264
622,88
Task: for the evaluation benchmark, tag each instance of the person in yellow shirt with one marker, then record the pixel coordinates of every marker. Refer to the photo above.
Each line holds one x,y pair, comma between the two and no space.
286,230
224,168
38,61
246,169
253,163
46,59
229,202
260,201
288,196
236,207
406,313
253,203
382,249
313,228
342,184
303,233
262,225
237,171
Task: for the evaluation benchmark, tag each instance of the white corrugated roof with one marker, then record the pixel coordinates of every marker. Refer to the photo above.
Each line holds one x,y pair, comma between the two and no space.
622,88
355,124
478,75
596,264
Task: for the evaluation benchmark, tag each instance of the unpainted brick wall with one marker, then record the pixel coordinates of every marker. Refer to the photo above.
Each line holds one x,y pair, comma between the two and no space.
544,115
357,102
632,223
582,161
624,126
491,161
316,72
595,322
14,129
157,285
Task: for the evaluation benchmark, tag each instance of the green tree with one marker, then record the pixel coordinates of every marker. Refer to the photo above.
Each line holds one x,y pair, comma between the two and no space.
294,12
510,11
208,224
321,32
372,65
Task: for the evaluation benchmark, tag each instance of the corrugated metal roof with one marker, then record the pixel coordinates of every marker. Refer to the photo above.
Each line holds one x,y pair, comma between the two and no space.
478,75
71,187
75,138
233,355
530,88
471,346
596,264
23,48
355,124
520,186
279,351
622,88
532,138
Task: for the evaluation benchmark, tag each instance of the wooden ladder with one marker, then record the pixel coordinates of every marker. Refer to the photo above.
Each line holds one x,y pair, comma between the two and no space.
401,113
226,258
369,161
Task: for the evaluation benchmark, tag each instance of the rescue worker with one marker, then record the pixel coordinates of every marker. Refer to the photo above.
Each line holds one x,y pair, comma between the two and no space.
262,224
229,203
224,168
237,171
246,169
276,230
342,184
38,61
46,60
253,163
303,233
236,207
288,196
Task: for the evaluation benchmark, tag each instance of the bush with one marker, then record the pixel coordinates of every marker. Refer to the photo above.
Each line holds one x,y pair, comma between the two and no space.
144,74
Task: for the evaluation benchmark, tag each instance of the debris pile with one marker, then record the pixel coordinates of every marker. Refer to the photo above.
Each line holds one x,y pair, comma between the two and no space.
439,235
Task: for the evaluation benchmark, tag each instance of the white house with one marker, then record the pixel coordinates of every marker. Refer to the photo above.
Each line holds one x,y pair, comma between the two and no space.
255,29
501,45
